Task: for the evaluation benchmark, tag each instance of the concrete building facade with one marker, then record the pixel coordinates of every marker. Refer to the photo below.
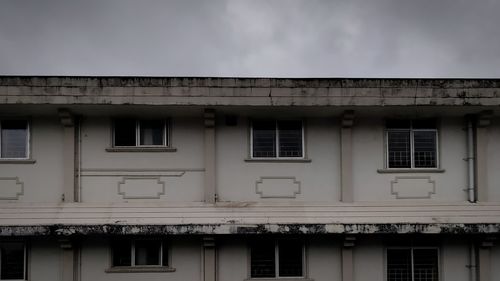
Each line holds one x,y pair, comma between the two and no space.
149,178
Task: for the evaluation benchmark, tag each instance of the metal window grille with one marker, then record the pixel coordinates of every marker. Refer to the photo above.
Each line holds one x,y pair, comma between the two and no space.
412,264
270,259
14,138
277,139
411,144
12,261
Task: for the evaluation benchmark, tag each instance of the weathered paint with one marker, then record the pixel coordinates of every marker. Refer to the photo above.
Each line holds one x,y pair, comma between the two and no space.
288,229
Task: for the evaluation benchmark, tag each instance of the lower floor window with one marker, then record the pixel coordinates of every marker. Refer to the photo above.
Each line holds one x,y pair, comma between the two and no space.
139,253
412,264
281,258
12,261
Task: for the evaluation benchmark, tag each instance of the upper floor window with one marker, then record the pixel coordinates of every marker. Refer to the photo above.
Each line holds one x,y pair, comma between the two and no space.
277,139
412,264
14,139
12,261
134,133
277,258
412,143
133,253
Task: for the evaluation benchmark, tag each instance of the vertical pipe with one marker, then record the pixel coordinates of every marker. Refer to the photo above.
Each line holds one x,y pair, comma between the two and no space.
470,161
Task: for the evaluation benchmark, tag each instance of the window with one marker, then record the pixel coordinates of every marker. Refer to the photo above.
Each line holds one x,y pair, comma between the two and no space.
277,139
145,133
14,139
412,264
273,259
139,253
412,143
12,261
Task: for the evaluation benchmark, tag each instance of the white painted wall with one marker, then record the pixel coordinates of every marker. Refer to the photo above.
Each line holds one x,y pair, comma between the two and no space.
185,258
43,180
45,260
319,180
180,172
493,189
368,157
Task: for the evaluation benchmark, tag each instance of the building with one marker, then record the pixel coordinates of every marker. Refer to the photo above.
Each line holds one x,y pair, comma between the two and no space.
227,179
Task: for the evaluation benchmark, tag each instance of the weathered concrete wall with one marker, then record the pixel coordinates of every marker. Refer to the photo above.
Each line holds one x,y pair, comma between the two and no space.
493,162
248,91
241,180
44,260
153,176
372,184
42,179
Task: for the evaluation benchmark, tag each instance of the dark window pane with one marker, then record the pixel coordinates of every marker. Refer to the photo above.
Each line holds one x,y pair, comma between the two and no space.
398,124
12,256
262,260
290,138
151,132
264,138
147,252
125,132
290,258
165,255
425,265
424,144
14,138
399,265
122,253
399,149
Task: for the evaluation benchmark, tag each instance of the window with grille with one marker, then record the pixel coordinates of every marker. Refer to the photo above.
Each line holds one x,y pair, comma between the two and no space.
276,258
277,139
143,133
14,139
12,261
412,143
412,264
130,253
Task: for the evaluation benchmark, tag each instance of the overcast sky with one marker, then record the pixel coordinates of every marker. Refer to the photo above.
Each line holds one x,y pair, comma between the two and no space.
280,38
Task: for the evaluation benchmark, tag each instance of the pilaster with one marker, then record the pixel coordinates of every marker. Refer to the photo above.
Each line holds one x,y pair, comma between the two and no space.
348,258
68,122
346,156
482,124
209,153
209,259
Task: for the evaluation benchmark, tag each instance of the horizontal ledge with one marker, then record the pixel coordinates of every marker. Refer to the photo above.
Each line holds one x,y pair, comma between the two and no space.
280,279
278,160
141,149
130,269
409,171
17,161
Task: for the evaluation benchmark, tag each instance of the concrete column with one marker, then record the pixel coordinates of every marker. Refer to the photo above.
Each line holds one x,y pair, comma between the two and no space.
68,260
484,260
209,259
348,259
67,120
346,156
482,124
210,192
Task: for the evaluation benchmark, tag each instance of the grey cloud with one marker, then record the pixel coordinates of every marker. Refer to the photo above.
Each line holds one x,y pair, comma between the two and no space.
280,38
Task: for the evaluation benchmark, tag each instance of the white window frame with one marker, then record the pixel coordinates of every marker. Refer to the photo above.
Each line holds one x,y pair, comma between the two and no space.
163,245
28,140
412,149
165,138
25,261
276,263
411,248
277,140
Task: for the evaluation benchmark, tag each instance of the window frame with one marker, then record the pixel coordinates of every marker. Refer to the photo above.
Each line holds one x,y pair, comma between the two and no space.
28,140
411,130
25,260
278,157
166,138
276,243
164,245
412,248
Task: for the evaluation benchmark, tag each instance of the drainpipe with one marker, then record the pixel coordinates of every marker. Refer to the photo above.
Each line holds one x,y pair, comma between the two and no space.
472,262
471,158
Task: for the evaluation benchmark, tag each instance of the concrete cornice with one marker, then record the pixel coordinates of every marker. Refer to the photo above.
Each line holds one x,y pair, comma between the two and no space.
248,91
